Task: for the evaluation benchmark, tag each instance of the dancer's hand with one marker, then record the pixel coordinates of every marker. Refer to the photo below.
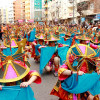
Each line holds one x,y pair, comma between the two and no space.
90,97
81,73
98,71
24,84
42,47
0,87
34,43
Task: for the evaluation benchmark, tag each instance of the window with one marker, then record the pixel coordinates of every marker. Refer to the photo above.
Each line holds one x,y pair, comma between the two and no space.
91,6
70,1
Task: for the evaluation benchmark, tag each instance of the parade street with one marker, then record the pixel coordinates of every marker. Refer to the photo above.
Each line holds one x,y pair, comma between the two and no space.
50,50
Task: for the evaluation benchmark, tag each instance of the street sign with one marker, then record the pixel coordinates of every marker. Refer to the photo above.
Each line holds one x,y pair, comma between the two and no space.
20,21
37,4
70,14
31,20
82,19
98,16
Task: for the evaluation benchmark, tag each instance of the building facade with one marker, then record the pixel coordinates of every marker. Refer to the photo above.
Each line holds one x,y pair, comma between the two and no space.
19,10
37,10
88,9
7,14
4,16
28,10
10,13
72,11
62,11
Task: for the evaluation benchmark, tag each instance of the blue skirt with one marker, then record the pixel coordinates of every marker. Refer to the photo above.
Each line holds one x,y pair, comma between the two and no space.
16,93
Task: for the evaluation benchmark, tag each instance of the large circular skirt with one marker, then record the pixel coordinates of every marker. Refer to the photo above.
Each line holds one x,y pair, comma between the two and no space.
13,70
80,54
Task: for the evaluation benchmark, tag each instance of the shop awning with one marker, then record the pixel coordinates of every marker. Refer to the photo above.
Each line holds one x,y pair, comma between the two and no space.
88,12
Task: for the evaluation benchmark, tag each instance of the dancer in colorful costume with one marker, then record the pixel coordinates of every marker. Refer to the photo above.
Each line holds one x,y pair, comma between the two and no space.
15,75
36,45
51,54
30,35
95,40
72,77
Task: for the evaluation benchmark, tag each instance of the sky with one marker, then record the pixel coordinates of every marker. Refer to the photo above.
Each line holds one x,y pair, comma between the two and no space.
5,3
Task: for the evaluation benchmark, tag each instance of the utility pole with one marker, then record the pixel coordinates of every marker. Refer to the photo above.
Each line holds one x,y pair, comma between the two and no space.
73,11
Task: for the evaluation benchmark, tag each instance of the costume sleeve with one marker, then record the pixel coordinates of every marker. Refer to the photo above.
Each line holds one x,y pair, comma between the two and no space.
93,46
60,45
98,68
71,58
61,70
35,73
36,49
35,41
33,51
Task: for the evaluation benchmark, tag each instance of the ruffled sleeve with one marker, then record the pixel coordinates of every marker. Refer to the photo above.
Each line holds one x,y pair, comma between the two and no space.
60,45
35,73
61,70
98,68
93,46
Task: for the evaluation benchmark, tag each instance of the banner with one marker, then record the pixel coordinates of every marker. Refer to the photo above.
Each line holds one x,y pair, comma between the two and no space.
31,20
98,16
37,4
20,21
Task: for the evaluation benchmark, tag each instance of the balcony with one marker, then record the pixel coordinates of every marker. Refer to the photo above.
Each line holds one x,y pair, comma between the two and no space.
83,6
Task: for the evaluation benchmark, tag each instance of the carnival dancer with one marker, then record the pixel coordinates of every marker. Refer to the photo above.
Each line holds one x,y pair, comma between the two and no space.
95,40
84,39
11,44
16,75
77,35
53,58
36,45
71,73
61,35
67,38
